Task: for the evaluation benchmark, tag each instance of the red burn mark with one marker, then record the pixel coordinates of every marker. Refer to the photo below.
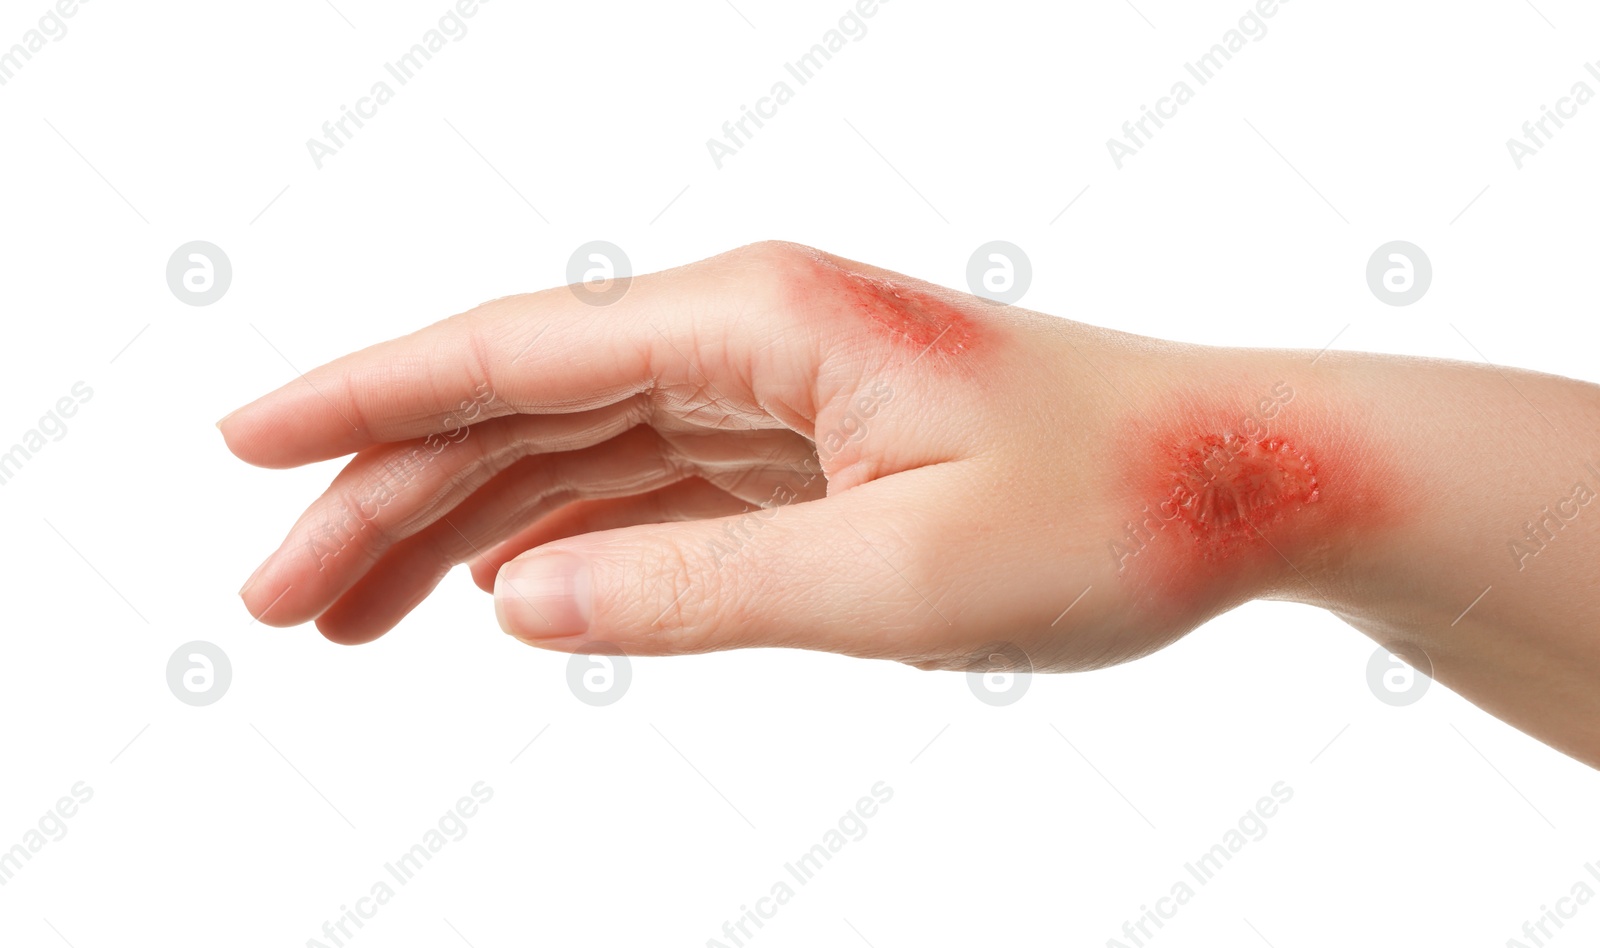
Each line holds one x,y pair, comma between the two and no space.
1225,488
916,319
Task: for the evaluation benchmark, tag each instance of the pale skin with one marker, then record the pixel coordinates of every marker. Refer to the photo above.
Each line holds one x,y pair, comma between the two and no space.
778,447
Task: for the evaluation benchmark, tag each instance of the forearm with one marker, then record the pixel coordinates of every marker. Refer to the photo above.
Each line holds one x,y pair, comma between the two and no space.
1434,505
1491,563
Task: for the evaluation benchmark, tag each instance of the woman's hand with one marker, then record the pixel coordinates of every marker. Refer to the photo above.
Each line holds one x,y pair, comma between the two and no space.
778,447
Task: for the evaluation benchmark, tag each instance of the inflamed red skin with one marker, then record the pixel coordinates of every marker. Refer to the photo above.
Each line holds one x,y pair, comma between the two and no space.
1266,489
913,317
895,347
1226,488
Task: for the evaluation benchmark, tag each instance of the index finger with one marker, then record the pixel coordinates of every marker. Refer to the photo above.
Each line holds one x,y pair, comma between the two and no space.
707,329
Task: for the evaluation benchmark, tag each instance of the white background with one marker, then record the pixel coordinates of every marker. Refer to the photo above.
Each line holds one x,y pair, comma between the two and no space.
1052,821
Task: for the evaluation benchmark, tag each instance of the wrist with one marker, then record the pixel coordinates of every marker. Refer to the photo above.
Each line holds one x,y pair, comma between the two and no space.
1252,476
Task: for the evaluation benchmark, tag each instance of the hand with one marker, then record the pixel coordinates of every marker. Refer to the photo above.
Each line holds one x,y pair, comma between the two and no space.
772,447
779,447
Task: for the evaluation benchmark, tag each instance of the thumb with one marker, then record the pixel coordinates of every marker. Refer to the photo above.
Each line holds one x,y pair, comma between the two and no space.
829,574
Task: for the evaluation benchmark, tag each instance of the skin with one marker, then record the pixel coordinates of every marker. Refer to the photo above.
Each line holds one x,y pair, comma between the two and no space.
778,447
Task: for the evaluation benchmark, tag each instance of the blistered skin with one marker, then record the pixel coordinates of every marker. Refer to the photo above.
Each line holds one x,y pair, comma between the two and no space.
919,322
1226,488
1215,501
1262,485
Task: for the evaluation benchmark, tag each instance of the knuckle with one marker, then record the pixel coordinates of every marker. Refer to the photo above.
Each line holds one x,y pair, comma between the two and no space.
344,528
495,333
778,273
775,251
674,609
482,349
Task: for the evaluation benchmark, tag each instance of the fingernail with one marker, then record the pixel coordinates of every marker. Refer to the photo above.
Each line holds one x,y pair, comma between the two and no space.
545,596
224,418
253,577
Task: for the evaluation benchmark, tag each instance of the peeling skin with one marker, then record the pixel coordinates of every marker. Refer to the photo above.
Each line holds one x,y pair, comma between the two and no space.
1226,488
1265,484
916,319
